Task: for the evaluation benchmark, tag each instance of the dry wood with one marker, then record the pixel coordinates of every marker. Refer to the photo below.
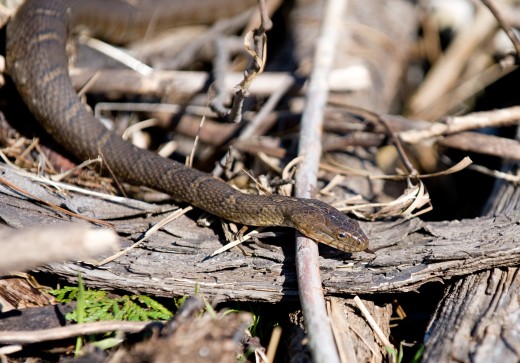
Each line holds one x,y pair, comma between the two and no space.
453,132
478,319
408,254
276,268
18,291
366,344
484,144
495,118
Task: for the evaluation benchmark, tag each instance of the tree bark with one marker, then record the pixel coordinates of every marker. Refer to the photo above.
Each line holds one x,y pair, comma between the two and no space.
478,319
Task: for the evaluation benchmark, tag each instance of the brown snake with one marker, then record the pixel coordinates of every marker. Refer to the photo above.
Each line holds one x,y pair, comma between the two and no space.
38,64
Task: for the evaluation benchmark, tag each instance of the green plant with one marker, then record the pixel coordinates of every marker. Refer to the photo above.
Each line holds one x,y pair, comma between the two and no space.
397,354
418,354
97,305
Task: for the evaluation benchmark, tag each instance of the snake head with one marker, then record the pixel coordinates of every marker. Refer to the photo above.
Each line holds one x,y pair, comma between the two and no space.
324,223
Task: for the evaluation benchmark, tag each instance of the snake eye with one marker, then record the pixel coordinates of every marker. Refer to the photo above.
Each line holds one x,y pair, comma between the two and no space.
342,235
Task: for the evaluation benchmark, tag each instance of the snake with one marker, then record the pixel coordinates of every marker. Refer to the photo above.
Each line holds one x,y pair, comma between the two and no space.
37,62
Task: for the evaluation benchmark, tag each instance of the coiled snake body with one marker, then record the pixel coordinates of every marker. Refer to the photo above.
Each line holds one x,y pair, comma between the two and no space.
38,64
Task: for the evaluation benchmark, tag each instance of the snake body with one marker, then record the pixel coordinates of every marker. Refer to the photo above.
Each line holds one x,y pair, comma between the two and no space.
38,64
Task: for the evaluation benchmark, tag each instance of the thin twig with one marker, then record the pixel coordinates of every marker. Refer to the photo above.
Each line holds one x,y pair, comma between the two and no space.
189,159
475,120
505,27
255,45
321,339
117,54
188,82
37,336
61,176
222,27
399,147
258,125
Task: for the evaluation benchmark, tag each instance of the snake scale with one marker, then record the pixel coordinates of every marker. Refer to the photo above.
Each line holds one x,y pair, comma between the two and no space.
38,63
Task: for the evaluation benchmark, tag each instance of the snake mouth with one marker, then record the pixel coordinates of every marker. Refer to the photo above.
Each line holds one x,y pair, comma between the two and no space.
359,243
347,242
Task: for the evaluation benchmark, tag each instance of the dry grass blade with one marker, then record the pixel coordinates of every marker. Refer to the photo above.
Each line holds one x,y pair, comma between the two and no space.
61,176
415,197
148,233
414,201
372,322
464,163
273,344
117,54
240,240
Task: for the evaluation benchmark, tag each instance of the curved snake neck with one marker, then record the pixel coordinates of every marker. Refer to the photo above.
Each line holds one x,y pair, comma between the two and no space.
38,64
